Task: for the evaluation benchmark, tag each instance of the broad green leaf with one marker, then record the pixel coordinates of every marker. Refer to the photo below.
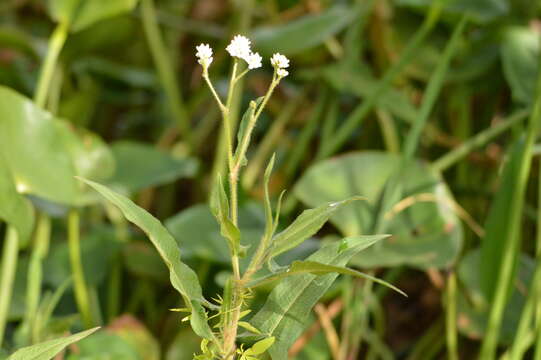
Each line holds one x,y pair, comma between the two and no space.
302,34
139,166
316,268
481,11
30,141
474,307
80,14
48,349
183,279
307,224
520,53
137,335
425,234
288,306
44,153
15,209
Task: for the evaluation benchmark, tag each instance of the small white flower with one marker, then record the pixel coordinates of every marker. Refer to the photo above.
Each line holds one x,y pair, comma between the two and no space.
279,61
239,47
282,73
254,61
204,55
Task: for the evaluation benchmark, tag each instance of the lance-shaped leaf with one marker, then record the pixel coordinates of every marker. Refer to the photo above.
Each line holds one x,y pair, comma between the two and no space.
245,128
288,307
182,277
317,268
307,224
48,349
219,206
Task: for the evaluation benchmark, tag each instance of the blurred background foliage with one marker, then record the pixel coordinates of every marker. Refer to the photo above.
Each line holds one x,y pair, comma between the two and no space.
127,107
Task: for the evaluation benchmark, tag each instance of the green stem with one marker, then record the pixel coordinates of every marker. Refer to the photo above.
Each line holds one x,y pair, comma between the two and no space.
360,113
450,319
490,341
537,324
9,266
56,42
35,271
520,343
82,297
164,66
481,139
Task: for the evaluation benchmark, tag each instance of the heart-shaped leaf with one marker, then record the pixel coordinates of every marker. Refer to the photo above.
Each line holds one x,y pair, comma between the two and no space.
425,230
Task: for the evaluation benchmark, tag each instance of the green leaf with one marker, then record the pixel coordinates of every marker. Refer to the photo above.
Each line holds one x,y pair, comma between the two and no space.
304,33
32,142
83,13
261,346
125,338
425,234
183,278
246,325
501,224
316,268
48,349
270,224
288,306
520,51
307,224
15,209
139,166
246,118
219,205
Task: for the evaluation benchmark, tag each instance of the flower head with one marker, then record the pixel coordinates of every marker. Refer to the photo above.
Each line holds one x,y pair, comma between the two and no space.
253,60
279,61
204,55
282,73
239,47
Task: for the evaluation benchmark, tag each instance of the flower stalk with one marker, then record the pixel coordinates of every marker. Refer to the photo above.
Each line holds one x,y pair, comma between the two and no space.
239,49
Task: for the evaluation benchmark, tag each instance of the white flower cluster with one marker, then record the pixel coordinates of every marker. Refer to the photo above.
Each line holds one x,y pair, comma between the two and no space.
204,55
280,63
240,48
